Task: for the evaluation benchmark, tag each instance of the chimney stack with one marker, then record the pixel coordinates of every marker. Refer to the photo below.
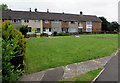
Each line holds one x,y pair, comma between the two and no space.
81,13
35,9
47,10
30,9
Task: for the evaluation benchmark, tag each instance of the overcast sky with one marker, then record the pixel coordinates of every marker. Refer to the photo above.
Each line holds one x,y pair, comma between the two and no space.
106,8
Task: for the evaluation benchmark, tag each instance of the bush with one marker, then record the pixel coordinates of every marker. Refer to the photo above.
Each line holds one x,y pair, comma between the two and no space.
13,44
44,34
63,34
54,33
24,29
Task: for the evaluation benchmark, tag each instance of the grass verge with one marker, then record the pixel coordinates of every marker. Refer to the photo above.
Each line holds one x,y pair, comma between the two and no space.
45,53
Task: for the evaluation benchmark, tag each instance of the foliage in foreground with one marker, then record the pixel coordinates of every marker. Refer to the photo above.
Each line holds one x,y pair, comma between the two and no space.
13,44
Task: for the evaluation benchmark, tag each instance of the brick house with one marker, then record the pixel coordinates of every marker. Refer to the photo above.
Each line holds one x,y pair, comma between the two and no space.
46,22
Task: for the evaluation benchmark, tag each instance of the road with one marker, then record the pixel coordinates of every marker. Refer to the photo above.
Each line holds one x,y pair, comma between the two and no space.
110,74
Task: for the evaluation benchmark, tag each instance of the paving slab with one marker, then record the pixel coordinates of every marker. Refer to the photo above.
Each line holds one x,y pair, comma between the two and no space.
53,74
70,71
33,77
67,71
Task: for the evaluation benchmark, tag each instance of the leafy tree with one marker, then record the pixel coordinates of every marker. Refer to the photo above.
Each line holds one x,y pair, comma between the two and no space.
13,44
105,24
113,26
3,7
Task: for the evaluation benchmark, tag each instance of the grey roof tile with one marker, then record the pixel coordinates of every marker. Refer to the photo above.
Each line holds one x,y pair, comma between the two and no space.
10,14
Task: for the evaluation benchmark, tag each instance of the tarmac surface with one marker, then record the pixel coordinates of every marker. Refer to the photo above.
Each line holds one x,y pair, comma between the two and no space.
110,73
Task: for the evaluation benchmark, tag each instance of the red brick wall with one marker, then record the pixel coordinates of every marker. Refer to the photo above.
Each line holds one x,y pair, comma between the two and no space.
47,25
84,26
96,27
65,25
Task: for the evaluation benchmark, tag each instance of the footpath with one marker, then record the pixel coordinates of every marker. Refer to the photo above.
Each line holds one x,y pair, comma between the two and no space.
68,71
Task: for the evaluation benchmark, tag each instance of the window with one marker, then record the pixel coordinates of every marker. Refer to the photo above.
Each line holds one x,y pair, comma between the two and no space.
15,20
72,22
50,29
89,23
26,21
43,29
88,29
80,30
65,30
55,29
29,29
72,30
56,21
46,21
37,21
65,22
80,24
62,30
38,30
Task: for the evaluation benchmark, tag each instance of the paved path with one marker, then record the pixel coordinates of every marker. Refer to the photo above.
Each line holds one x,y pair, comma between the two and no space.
68,71
111,70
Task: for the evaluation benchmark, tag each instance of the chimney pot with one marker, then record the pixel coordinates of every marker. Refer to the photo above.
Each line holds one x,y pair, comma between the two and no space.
81,13
35,9
30,9
47,10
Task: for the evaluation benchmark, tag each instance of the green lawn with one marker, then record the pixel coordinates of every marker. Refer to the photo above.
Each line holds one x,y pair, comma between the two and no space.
45,53
83,78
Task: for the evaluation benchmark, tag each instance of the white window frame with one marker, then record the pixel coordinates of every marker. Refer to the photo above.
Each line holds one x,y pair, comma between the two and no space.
17,20
46,21
37,21
56,21
89,26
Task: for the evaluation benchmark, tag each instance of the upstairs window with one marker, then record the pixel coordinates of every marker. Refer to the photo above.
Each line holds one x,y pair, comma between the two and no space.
15,20
37,21
89,23
56,21
46,21
65,22
72,22
26,21
80,24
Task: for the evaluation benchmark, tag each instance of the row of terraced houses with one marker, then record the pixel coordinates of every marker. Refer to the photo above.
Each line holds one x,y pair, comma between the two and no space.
47,22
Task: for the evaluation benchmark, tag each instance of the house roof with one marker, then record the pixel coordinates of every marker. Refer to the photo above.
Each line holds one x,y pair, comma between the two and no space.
10,14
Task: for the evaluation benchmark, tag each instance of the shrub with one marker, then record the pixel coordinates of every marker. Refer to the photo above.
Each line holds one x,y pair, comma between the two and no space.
63,34
54,33
44,34
13,44
24,29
